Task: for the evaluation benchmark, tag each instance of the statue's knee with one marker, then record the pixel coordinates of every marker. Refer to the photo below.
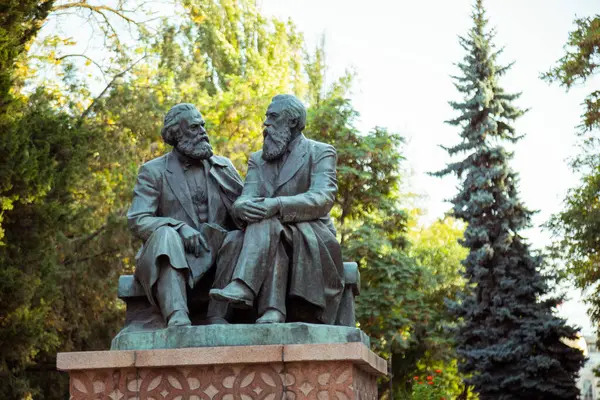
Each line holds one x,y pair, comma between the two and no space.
233,237
273,220
256,227
166,232
266,223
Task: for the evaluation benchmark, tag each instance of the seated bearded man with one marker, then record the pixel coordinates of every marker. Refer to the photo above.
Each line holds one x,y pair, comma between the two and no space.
290,250
182,210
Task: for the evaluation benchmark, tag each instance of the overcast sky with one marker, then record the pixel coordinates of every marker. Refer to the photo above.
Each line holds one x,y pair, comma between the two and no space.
404,52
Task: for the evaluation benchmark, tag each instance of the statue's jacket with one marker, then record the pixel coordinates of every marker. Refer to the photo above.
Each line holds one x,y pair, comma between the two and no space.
162,199
306,186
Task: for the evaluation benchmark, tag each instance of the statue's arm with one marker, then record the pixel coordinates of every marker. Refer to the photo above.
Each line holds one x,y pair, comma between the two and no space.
142,218
251,185
229,197
319,199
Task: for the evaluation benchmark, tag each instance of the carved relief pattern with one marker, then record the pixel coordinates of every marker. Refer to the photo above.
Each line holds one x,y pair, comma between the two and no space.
316,381
292,381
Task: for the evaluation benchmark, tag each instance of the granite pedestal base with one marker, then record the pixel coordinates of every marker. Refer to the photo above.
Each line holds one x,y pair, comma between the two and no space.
268,372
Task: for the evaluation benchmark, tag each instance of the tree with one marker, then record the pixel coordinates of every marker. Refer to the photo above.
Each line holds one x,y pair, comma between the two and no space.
577,227
509,340
22,317
437,248
20,21
42,168
39,316
580,63
45,213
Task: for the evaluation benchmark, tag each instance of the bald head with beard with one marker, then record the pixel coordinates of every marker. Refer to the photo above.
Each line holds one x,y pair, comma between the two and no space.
286,118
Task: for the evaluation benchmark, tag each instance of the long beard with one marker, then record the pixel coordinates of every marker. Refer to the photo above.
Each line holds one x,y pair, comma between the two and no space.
194,149
275,143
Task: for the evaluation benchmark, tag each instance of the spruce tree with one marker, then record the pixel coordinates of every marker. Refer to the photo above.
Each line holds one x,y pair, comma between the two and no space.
509,340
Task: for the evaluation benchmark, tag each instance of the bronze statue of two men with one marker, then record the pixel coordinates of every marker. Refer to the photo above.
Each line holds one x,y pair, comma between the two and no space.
269,244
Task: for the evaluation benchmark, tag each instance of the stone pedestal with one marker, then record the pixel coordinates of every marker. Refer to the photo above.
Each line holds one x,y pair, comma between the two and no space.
271,372
236,335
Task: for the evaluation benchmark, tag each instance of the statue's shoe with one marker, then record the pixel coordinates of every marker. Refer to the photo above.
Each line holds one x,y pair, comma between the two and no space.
179,318
271,316
236,293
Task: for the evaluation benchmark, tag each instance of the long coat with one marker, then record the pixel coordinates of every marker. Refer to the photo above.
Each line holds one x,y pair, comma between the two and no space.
306,186
161,198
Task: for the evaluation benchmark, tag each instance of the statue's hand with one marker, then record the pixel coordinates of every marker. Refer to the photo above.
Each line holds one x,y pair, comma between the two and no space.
272,206
251,210
193,241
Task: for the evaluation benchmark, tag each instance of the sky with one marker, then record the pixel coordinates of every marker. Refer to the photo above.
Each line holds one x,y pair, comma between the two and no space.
404,52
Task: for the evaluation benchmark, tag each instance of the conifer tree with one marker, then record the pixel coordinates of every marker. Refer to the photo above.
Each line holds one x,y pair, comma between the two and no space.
509,340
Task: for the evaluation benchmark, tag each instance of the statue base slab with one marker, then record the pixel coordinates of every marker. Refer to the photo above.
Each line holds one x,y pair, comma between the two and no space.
295,371
237,335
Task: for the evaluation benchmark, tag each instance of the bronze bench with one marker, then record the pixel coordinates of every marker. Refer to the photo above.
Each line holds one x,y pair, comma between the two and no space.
141,315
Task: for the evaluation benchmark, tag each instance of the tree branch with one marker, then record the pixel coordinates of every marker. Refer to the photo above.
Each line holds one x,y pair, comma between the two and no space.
110,84
106,30
99,9
103,253
88,238
83,56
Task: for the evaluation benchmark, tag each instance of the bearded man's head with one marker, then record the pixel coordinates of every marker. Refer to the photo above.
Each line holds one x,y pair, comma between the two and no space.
183,128
285,120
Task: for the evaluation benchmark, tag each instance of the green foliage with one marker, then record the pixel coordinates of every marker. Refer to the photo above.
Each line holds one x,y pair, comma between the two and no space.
228,60
446,382
19,23
579,63
39,281
509,340
437,248
431,346
577,227
427,390
577,230
430,386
